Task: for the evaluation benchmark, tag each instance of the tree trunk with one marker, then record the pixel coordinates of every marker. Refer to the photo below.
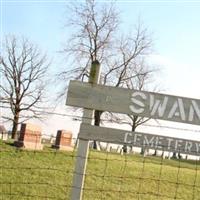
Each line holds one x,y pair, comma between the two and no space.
15,126
133,127
97,117
133,130
97,120
125,146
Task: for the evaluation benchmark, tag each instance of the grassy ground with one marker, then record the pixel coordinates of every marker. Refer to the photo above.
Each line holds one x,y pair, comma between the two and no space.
47,174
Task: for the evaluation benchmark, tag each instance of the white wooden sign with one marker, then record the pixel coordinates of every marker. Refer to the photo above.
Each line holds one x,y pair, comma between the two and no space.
140,103
138,139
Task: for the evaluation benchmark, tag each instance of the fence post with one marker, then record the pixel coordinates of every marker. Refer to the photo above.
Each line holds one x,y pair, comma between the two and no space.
83,145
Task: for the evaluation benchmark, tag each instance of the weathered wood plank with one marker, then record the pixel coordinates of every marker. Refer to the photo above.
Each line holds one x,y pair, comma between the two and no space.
81,161
83,145
138,139
140,103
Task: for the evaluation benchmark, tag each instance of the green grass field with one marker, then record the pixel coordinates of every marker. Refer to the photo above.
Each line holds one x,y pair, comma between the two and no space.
47,174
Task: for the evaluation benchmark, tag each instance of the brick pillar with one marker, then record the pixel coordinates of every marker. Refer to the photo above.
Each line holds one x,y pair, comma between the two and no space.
30,137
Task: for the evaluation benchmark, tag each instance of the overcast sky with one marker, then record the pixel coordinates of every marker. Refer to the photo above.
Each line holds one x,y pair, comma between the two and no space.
174,26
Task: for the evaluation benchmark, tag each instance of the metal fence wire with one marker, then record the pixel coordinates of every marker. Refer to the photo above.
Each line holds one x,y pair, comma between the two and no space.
135,176
33,174
111,174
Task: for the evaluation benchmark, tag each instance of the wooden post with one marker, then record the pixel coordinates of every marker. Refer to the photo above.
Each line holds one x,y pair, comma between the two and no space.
83,145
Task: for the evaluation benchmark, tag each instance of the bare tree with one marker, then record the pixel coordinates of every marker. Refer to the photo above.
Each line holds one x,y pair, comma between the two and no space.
23,69
97,37
93,37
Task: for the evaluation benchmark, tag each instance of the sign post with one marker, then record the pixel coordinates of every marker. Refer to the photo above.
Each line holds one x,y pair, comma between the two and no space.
83,144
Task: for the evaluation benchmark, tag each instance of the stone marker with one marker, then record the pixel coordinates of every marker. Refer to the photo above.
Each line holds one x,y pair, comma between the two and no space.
63,140
3,133
30,137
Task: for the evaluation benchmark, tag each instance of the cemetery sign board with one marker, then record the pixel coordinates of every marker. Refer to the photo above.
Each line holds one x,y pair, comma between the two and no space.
92,96
140,103
138,139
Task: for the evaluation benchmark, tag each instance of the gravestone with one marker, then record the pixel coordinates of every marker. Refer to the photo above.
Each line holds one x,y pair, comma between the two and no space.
63,140
4,136
3,133
30,137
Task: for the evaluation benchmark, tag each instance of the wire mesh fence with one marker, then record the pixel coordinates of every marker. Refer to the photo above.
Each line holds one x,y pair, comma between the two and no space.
135,176
111,173
48,174
29,174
